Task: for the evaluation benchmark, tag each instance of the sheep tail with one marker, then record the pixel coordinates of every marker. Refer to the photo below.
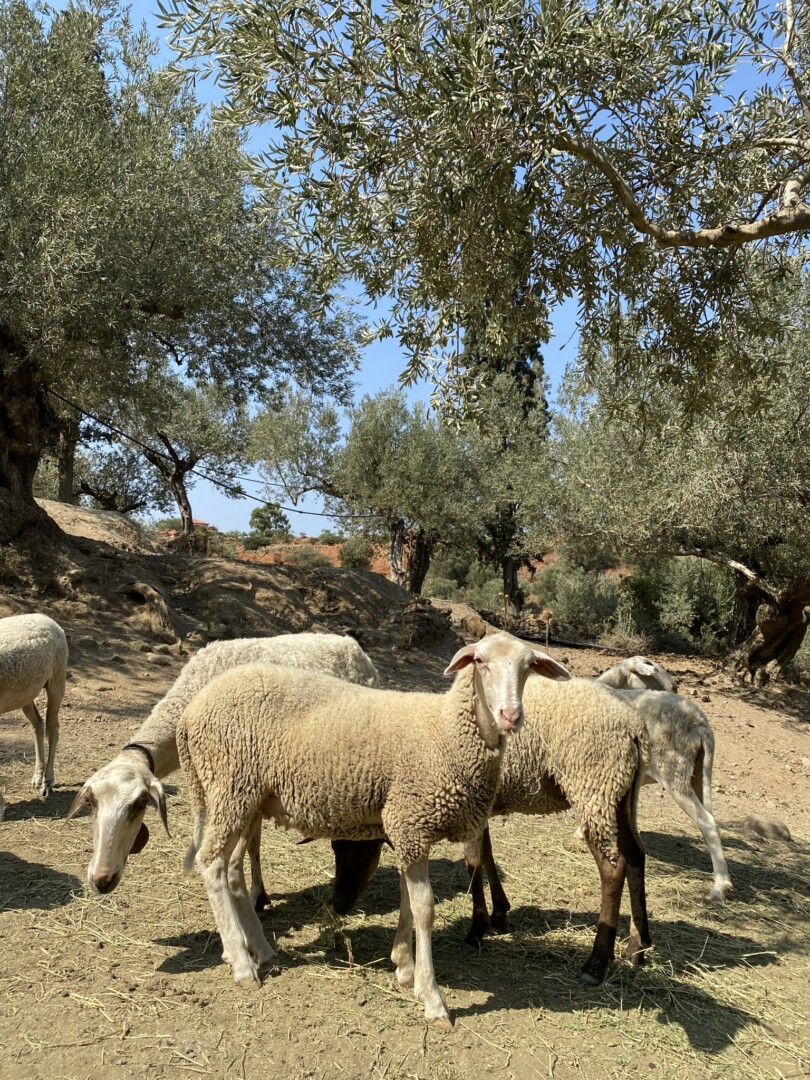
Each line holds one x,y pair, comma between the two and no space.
643,756
702,777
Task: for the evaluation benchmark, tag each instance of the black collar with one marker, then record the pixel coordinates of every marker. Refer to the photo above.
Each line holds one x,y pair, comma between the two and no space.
146,753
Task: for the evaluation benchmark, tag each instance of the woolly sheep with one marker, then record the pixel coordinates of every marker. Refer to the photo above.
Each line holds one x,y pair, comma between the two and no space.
33,657
347,762
638,673
120,791
584,747
681,750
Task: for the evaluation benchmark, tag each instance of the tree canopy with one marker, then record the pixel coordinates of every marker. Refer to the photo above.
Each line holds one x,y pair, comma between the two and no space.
480,162
129,239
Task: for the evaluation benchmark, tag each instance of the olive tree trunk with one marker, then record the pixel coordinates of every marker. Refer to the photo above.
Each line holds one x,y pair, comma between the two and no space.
776,638
409,553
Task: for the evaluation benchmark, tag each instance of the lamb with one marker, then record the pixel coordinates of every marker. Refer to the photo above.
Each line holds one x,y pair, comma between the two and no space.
347,762
33,657
681,751
119,792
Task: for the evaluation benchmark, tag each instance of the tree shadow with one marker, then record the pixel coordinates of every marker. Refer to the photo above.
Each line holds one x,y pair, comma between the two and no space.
30,886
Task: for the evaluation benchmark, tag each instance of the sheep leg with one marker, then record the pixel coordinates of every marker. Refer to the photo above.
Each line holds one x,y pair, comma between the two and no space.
258,944
480,918
425,987
694,808
402,951
632,851
52,730
38,724
258,893
500,901
235,949
612,878
2,807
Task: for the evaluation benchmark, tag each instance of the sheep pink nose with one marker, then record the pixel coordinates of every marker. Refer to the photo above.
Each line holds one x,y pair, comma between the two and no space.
512,717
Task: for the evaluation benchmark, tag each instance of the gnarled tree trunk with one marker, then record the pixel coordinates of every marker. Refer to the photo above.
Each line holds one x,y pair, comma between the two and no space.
26,422
780,628
409,553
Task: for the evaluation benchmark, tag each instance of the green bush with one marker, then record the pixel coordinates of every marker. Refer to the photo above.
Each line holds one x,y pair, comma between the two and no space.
356,552
305,557
329,537
588,602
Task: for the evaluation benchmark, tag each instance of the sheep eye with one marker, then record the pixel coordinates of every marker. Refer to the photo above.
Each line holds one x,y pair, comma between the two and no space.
140,804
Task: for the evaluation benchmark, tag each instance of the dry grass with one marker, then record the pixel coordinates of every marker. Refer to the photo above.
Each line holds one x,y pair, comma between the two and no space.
133,986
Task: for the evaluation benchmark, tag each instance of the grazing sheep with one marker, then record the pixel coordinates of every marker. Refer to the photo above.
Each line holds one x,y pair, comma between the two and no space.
33,657
681,750
638,673
119,792
347,762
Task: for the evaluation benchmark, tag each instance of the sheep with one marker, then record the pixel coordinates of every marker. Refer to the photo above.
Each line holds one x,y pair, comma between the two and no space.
119,792
681,751
638,673
33,657
348,762
584,747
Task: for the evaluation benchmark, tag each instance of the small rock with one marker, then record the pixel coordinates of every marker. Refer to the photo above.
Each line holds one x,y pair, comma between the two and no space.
116,658
145,646
162,648
85,641
768,828
705,697
361,997
158,658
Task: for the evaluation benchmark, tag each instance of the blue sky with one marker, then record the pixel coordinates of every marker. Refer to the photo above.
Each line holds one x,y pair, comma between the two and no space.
381,364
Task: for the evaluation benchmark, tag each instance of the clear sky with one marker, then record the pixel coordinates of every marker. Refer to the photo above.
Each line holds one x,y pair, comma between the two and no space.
381,363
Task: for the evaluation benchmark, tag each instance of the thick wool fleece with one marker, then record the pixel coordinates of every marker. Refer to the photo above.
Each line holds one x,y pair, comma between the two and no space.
33,654
338,761
582,746
678,730
337,655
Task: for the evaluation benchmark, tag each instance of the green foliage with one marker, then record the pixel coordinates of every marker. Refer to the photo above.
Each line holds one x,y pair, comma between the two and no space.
129,238
329,538
586,602
118,478
166,524
268,524
306,557
356,551
481,163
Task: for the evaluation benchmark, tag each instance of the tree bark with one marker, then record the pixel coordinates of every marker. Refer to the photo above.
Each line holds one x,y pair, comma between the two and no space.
512,594
409,553
779,632
174,469
66,460
26,420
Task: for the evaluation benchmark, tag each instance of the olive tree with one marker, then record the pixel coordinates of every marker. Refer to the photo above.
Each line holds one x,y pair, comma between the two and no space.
397,474
479,162
129,242
638,479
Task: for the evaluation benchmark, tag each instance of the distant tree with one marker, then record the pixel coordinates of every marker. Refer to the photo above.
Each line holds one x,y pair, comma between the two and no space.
120,479
397,474
270,523
202,430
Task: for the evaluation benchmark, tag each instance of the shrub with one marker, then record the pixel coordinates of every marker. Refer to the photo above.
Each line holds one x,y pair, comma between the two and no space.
356,551
328,537
587,602
305,557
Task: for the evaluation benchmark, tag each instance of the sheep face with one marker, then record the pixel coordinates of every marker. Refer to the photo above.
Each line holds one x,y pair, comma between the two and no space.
117,797
644,674
502,665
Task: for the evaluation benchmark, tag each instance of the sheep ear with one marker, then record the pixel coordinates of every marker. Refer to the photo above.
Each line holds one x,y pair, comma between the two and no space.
139,843
157,798
548,666
463,657
82,797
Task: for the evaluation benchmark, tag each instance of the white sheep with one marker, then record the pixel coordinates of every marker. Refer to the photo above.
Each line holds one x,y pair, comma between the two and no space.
347,762
681,750
638,673
119,792
33,657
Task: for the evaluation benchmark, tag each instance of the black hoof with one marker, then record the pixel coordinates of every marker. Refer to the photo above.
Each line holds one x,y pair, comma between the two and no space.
262,902
499,922
593,972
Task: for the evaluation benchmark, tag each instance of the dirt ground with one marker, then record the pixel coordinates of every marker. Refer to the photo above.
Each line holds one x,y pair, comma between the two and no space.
133,985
